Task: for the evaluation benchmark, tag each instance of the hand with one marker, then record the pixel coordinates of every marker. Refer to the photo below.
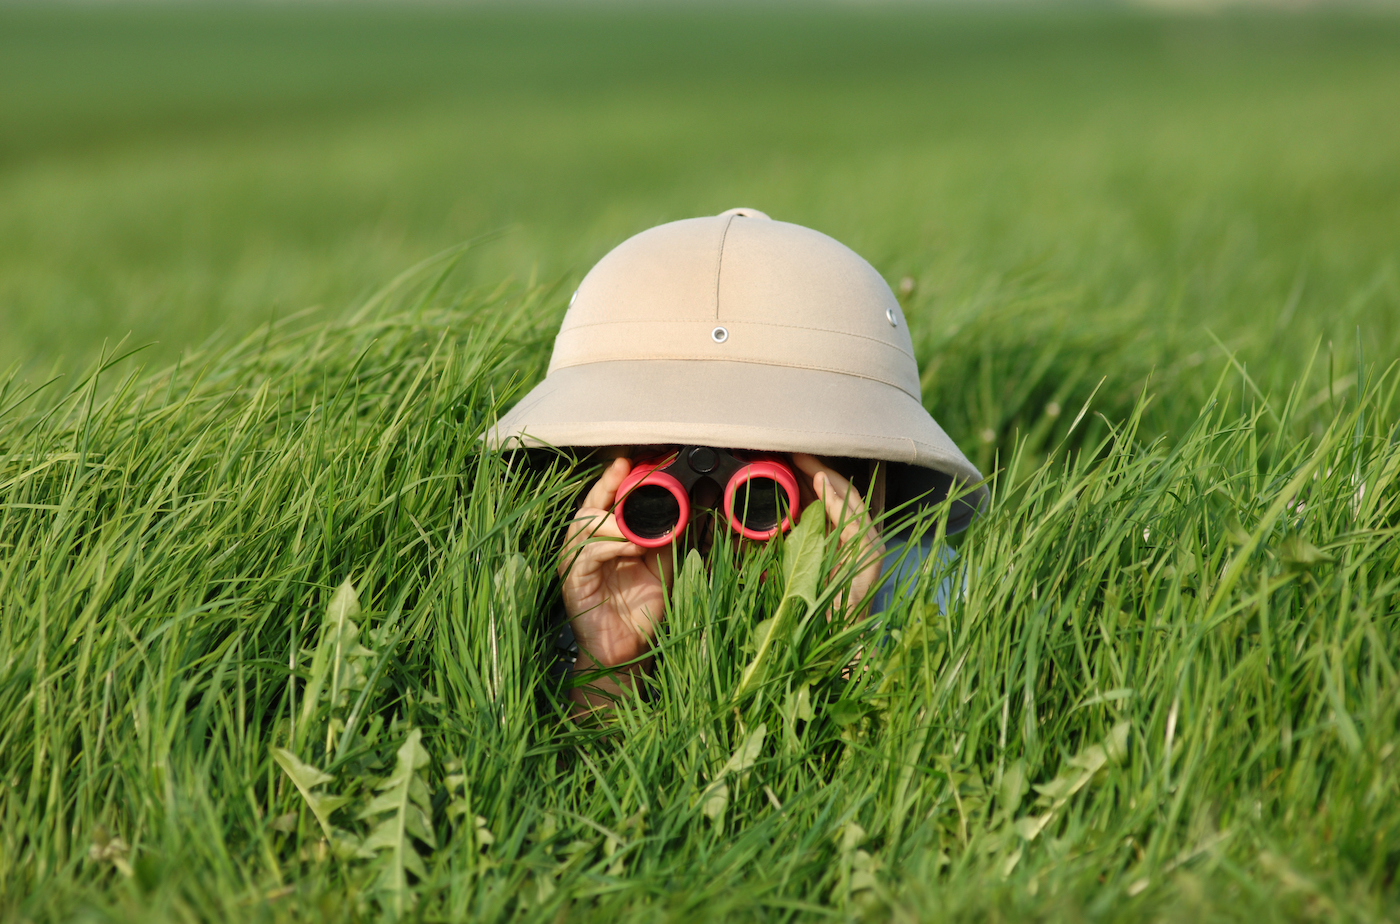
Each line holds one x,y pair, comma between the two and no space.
846,511
614,590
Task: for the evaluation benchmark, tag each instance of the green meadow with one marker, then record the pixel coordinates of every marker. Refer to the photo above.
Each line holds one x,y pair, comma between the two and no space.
272,621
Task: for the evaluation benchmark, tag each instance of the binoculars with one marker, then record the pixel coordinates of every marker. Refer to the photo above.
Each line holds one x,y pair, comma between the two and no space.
757,494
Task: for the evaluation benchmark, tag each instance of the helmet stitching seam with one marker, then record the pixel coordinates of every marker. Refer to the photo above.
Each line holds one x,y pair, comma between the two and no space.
719,261
820,330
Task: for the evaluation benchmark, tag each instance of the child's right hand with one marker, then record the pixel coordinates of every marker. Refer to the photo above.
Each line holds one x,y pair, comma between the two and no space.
614,590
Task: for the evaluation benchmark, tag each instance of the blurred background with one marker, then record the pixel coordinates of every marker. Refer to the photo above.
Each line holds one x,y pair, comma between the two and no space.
1128,185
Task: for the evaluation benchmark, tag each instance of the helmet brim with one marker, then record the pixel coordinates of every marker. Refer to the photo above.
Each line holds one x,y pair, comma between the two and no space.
737,405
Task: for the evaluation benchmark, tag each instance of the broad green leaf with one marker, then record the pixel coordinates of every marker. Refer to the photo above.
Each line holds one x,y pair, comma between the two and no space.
802,555
1080,769
512,580
339,666
1013,786
1090,759
514,588
801,703
804,703
714,801
845,711
747,753
403,810
383,835
802,562
760,635
303,775
1301,555
857,868
1236,533
715,798
347,846
692,581
1009,864
1031,825
863,870
306,778
1116,744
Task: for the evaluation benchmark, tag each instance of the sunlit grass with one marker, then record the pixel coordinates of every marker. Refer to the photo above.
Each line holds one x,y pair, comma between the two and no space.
273,625
1168,685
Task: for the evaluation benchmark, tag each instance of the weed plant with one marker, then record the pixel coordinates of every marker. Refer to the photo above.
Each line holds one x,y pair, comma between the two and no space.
274,632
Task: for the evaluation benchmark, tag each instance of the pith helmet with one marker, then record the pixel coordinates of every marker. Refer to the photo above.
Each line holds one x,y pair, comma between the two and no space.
742,332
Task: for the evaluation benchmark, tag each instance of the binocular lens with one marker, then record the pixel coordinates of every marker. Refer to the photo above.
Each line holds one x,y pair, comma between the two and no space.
761,504
651,511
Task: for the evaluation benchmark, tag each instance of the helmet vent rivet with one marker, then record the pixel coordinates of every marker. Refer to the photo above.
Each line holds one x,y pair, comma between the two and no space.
889,315
719,335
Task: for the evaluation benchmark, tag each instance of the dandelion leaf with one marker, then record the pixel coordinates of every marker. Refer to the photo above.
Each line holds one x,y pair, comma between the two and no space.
802,556
402,811
1013,786
513,583
306,778
715,800
1301,555
746,755
339,666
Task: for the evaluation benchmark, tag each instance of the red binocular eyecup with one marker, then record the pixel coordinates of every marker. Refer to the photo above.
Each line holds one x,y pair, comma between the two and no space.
757,495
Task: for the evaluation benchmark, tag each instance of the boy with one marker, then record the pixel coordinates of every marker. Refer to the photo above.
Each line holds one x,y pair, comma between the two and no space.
731,335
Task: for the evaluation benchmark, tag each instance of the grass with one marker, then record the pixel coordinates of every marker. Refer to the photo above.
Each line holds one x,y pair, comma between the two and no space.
270,619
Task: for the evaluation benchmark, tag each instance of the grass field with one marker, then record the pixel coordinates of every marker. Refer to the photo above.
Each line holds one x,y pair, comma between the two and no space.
270,620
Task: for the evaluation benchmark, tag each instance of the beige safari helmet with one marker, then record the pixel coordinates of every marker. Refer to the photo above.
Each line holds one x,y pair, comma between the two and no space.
742,332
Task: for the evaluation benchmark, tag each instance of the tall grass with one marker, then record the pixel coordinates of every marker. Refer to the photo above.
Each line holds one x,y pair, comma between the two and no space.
273,625
273,628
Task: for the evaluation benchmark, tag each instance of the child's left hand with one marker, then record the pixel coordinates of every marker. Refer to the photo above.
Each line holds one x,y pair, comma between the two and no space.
845,511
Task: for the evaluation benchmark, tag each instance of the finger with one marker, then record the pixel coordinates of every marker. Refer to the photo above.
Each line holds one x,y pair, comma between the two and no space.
604,550
842,501
584,524
592,521
604,492
860,541
586,558
588,524
811,466
815,468
599,501
846,511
